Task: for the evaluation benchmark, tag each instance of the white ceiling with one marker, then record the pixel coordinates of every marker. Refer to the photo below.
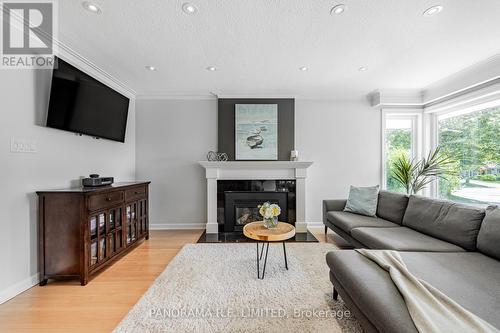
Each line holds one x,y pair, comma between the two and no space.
258,45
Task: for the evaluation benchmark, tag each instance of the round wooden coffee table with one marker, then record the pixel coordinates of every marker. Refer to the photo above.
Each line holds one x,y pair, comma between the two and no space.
261,234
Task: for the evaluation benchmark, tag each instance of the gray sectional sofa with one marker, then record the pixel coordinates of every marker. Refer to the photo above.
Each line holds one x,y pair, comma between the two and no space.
455,248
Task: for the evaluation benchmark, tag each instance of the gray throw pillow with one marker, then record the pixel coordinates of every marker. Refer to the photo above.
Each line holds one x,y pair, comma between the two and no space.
362,200
489,234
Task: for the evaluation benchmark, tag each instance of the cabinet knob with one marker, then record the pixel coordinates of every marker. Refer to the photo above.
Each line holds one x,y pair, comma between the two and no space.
108,199
136,192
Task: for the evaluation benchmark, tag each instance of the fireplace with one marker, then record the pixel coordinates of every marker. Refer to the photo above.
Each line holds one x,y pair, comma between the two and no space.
241,208
279,176
237,201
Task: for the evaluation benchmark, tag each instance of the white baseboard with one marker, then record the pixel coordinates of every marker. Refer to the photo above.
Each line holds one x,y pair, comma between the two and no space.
315,225
177,226
18,288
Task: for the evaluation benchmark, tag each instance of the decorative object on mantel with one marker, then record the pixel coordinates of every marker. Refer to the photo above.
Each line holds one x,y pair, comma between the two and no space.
213,156
256,132
294,155
270,213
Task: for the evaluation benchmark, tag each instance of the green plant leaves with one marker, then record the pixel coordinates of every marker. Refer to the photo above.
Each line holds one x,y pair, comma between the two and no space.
416,175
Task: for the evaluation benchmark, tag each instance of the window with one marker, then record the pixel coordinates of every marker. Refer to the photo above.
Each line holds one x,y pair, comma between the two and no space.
400,137
473,140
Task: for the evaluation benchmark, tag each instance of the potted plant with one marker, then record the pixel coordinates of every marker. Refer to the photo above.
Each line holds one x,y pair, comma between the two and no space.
415,175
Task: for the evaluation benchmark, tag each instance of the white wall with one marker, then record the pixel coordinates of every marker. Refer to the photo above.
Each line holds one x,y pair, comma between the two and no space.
172,136
62,158
342,138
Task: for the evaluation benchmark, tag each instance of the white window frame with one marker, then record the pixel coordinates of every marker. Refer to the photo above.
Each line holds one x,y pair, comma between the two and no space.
434,114
416,116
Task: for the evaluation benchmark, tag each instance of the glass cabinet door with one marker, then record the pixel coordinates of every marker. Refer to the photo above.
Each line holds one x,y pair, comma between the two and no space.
111,230
93,227
93,239
112,219
102,249
112,243
141,222
93,253
118,217
101,218
144,216
133,231
132,220
129,224
119,239
119,229
102,223
98,237
134,211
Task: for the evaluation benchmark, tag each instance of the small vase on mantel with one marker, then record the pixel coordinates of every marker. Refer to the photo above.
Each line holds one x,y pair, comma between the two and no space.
271,222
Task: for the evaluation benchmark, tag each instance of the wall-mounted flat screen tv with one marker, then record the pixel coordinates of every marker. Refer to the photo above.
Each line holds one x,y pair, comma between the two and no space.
81,104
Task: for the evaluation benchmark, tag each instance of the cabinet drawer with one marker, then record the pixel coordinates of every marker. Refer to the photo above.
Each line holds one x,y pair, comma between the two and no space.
136,193
99,201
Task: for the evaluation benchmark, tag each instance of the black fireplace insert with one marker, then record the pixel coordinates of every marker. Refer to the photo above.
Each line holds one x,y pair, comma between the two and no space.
241,207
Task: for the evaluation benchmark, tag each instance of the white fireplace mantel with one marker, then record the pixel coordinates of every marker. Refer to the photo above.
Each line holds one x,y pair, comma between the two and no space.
258,170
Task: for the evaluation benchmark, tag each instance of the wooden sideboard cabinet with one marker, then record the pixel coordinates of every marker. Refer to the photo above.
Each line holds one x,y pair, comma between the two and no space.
83,230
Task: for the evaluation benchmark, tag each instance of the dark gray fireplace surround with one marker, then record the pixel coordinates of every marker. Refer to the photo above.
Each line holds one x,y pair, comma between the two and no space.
238,200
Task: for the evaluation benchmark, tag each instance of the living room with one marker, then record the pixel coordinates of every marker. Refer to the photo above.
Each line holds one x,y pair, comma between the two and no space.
217,166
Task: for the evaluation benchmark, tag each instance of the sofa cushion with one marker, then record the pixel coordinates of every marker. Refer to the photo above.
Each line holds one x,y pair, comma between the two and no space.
347,221
372,291
362,200
455,223
469,278
401,239
392,206
488,240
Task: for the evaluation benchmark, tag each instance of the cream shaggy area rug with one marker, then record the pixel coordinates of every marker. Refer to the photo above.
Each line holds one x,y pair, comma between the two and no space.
214,288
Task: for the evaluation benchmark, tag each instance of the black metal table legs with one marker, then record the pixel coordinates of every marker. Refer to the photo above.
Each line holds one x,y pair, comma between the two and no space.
259,258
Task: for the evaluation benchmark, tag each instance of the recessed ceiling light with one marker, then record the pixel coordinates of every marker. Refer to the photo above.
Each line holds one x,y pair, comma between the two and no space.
189,8
338,9
433,10
91,7
303,68
151,68
211,68
363,69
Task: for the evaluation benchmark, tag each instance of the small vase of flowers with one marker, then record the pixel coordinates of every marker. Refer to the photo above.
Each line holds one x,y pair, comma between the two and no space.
270,213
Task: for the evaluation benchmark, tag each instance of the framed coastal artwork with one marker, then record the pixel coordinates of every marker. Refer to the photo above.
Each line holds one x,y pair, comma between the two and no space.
256,132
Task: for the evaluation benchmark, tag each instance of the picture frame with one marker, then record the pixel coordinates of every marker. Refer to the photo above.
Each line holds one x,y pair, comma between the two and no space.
256,132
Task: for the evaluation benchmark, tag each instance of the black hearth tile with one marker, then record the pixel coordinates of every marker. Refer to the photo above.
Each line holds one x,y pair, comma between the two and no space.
238,237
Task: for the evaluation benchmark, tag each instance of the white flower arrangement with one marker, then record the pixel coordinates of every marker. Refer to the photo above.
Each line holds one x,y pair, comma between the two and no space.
268,210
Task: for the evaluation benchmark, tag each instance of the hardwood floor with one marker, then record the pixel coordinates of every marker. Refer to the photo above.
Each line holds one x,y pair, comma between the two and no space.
65,306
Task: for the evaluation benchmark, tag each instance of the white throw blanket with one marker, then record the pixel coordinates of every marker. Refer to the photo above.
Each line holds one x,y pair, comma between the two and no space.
431,310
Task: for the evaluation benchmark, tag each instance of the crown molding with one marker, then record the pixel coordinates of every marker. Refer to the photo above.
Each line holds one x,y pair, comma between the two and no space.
396,98
73,57
296,96
472,78
207,97
479,79
68,54
254,95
